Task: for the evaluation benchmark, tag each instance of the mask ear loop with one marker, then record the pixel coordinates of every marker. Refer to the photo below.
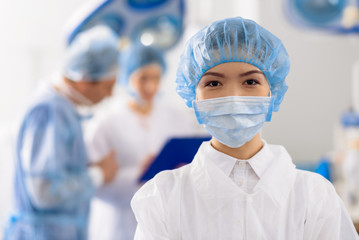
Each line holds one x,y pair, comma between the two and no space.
270,109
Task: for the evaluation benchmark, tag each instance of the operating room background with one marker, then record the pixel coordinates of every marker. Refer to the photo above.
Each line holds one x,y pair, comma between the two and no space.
31,45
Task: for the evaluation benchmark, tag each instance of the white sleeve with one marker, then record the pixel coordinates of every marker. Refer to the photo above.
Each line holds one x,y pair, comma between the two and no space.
328,219
120,191
150,211
97,137
337,224
100,142
139,235
40,188
347,228
96,176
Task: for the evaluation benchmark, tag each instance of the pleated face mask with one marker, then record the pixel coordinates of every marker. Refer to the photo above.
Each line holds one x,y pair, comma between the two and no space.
233,120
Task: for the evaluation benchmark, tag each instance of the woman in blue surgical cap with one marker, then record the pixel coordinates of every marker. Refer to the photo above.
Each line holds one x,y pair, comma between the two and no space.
137,131
233,73
53,179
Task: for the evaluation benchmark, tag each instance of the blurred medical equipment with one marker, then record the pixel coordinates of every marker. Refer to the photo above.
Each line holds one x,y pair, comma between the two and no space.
229,44
350,162
349,147
338,16
342,165
155,22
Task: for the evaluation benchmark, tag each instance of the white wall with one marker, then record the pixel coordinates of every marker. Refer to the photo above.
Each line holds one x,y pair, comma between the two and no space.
319,85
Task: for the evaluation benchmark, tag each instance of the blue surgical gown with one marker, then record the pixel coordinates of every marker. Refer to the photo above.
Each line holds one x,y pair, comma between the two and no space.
50,152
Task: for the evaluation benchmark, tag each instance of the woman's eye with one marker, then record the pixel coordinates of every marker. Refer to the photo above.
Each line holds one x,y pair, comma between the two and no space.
213,84
251,82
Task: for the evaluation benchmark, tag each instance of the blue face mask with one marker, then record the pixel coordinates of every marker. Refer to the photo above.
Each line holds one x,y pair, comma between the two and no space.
233,120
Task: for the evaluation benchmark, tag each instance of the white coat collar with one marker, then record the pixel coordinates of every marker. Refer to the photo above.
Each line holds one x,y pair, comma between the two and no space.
217,189
259,162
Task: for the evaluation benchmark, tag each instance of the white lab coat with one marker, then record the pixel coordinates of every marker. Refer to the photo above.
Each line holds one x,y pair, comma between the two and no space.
133,138
198,201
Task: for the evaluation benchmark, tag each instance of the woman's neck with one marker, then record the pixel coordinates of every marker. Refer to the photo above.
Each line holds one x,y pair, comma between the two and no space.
144,109
244,152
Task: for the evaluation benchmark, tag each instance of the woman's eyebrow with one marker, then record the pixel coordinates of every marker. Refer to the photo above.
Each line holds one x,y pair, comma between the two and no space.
213,74
250,72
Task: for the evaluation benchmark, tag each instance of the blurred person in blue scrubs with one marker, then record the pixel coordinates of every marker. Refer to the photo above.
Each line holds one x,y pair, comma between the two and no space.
54,181
137,131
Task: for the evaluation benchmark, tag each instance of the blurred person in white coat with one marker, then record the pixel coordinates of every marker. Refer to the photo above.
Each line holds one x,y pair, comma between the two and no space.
136,131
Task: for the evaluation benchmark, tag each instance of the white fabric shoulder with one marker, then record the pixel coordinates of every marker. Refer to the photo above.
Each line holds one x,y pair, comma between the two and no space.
98,131
161,185
326,216
152,203
278,150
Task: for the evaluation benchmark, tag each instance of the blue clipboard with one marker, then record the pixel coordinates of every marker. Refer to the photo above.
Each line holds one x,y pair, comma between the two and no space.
176,151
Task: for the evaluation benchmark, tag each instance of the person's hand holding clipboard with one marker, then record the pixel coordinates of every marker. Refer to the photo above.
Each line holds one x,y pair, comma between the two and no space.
177,152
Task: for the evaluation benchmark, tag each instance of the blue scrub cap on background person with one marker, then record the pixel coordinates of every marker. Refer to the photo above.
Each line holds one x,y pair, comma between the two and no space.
92,56
233,40
138,56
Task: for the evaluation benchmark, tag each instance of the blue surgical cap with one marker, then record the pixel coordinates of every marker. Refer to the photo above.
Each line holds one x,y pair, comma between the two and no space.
92,56
233,40
138,56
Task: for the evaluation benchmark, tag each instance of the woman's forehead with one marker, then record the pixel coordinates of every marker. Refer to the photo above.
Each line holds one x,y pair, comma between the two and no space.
234,66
